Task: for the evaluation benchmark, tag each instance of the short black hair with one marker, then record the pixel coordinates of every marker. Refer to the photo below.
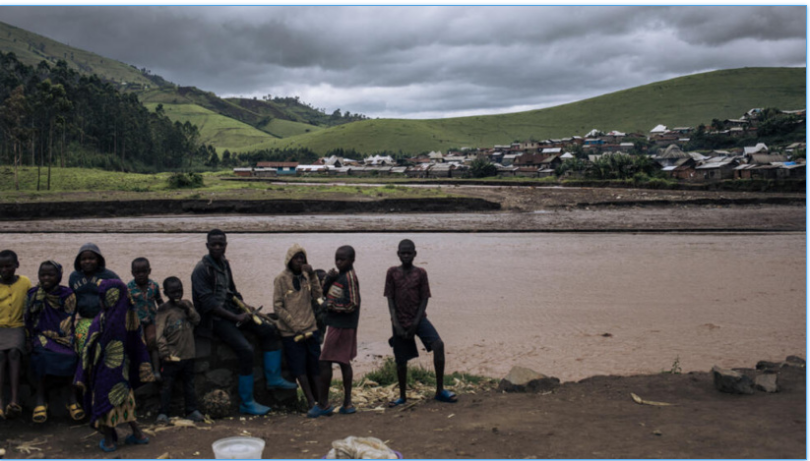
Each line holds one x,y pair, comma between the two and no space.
348,249
172,281
406,243
141,260
9,254
214,232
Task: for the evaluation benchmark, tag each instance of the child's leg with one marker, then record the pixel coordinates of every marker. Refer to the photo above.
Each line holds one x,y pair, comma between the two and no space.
166,387
303,381
137,433
326,382
41,386
438,364
189,393
348,377
402,377
14,361
109,436
3,361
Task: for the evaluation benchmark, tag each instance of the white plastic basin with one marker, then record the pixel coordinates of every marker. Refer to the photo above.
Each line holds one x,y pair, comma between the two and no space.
238,448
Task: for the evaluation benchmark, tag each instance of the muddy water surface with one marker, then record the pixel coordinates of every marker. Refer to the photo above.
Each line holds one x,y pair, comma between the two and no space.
568,305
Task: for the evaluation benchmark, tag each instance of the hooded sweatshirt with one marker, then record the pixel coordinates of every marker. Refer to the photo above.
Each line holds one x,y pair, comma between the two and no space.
86,286
294,307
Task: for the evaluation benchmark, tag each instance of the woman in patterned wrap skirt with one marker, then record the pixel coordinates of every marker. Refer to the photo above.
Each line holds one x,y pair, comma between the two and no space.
113,364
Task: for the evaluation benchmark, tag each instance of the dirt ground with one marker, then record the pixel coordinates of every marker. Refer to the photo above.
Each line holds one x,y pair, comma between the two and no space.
592,418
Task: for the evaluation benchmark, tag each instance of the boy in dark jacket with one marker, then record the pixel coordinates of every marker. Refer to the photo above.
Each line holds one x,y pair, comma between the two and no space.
174,331
220,308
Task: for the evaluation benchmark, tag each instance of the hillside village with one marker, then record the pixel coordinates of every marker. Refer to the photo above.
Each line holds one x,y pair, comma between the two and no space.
577,156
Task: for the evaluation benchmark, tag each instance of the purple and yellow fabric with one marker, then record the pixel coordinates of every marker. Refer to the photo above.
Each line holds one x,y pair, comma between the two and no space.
114,361
49,318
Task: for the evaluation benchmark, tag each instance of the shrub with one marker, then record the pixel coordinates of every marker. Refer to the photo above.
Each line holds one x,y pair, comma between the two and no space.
185,181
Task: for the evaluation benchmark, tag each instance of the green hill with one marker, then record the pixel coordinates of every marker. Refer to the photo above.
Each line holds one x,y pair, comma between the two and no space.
215,129
31,49
683,101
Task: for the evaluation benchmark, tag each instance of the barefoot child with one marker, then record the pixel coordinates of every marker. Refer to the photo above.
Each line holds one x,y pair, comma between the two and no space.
113,364
293,292
13,289
145,295
50,312
175,322
407,290
89,267
342,314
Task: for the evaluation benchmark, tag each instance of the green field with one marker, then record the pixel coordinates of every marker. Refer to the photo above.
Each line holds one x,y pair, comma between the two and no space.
684,101
84,184
215,129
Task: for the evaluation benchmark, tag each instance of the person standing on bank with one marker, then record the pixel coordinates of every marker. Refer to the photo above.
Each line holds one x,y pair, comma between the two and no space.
223,313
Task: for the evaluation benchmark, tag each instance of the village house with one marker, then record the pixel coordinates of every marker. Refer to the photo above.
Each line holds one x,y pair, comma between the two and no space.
683,169
379,160
282,168
243,172
265,172
716,169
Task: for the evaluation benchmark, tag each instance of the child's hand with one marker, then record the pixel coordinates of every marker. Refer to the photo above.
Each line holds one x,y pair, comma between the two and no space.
401,332
332,272
242,318
307,268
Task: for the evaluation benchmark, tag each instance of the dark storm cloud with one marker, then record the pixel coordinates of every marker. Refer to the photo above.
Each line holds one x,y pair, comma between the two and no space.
426,61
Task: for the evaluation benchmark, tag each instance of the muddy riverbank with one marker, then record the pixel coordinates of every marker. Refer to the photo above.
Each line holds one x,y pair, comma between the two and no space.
593,418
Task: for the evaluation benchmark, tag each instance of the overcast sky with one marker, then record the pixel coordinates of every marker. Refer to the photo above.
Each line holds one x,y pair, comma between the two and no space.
426,62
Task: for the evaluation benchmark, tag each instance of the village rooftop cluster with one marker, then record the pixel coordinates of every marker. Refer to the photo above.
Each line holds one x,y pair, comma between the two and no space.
538,159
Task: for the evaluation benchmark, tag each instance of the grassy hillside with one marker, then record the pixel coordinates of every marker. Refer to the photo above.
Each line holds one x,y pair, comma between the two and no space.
684,101
215,129
31,49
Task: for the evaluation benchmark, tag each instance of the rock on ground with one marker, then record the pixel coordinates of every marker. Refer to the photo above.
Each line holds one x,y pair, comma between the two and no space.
522,379
731,381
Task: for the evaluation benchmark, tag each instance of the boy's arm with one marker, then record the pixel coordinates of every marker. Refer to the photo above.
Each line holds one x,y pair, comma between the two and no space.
163,346
393,310
279,308
191,313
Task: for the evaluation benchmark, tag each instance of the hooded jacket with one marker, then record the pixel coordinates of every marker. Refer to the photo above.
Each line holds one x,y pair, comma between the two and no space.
294,307
86,286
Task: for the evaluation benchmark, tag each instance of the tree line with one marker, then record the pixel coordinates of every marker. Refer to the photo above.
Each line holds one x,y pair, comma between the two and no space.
53,115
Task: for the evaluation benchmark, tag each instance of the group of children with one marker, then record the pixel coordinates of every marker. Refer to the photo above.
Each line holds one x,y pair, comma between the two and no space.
107,338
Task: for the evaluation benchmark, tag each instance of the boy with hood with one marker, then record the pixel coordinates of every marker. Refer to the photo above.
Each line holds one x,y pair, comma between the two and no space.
215,298
90,268
294,289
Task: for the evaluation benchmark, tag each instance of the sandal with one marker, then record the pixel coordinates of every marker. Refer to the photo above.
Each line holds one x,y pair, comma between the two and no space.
13,410
40,414
347,410
76,411
396,403
132,440
105,448
446,396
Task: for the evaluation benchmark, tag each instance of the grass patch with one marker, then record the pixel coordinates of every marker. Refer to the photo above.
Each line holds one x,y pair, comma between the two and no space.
386,374
85,184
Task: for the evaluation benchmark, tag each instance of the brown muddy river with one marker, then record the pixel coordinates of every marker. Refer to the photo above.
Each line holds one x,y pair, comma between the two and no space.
567,305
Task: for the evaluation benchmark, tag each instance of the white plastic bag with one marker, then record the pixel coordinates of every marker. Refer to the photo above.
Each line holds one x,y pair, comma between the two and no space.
360,448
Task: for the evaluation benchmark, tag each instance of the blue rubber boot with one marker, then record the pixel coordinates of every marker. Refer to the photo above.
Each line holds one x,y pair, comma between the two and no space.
247,404
272,372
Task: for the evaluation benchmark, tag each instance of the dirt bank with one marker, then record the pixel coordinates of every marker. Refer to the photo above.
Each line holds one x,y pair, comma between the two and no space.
593,418
40,210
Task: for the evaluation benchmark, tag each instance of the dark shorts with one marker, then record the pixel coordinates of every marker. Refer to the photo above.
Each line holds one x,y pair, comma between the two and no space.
302,357
405,349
